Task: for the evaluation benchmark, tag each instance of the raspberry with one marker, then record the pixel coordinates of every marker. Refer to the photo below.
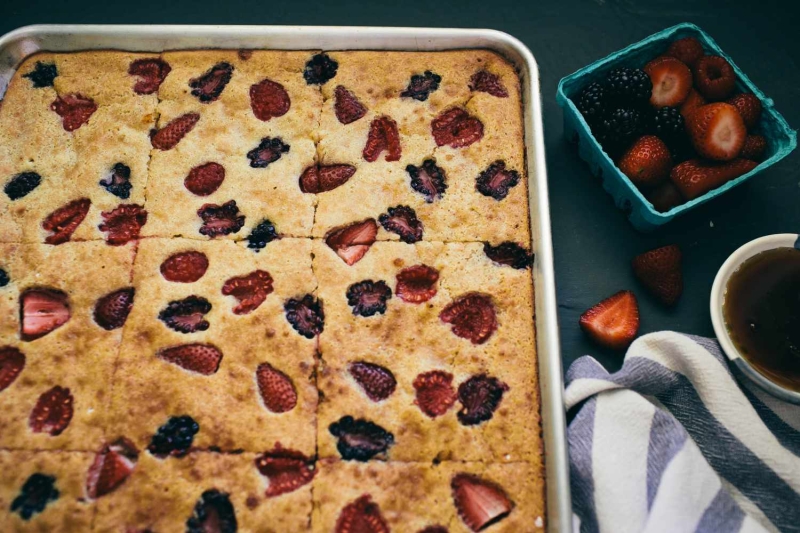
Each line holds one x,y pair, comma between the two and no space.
630,86
187,315
42,311
417,284
668,125
151,71
428,180
276,389
496,181
714,78
403,221
351,242
118,181
42,75
4,279
323,178
22,185
456,128
346,106
52,412
12,363
213,512
174,438
509,254
268,151
184,267
37,492
268,99
123,223
210,85
220,219
287,470
205,179
479,396
74,110
112,310
485,81
378,382
250,290
435,393
592,103
263,234
472,316
360,440
170,135
422,85
688,50
361,516
320,69
111,467
200,358
383,135
368,297
305,315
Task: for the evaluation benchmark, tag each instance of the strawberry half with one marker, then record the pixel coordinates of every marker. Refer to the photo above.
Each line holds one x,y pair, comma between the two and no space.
480,503
323,178
42,311
346,106
276,389
201,358
383,135
123,223
205,179
12,362
170,135
63,222
111,467
268,99
456,128
112,310
52,412
417,284
749,106
647,163
184,267
695,177
361,516
659,271
614,322
287,470
472,316
74,110
351,242
717,131
672,81
250,290
377,382
434,392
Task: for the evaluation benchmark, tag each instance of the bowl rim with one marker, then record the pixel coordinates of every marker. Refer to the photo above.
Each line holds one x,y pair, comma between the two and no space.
718,290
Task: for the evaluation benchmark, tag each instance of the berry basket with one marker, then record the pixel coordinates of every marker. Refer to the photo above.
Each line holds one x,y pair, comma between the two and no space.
780,137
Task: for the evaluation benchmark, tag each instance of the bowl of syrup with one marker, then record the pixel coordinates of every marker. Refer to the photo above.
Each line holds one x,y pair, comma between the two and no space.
755,310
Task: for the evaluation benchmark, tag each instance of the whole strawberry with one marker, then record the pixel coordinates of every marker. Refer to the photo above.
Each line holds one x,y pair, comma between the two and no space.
647,163
695,177
659,271
687,50
749,106
717,131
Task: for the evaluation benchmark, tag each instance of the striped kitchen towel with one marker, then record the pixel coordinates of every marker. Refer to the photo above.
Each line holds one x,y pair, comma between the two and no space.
673,442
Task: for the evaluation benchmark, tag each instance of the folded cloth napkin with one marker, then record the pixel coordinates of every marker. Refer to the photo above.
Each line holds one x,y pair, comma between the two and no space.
673,442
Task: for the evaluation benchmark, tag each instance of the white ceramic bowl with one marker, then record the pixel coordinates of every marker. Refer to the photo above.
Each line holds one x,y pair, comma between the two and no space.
783,240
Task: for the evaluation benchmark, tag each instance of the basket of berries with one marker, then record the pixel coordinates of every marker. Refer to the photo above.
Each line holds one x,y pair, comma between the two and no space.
670,123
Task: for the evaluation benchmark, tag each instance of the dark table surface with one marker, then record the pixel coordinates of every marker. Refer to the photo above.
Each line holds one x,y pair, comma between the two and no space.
593,240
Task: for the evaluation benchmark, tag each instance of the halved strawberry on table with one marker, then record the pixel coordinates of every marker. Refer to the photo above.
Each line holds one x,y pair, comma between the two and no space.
672,81
614,322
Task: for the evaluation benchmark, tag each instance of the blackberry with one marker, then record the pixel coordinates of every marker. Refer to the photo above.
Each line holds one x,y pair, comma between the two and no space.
263,234
619,128
210,85
509,253
496,180
368,297
212,512
21,185
360,440
268,151
42,75
428,180
118,181
174,438
667,124
591,103
479,396
36,493
320,69
186,316
4,279
305,315
403,221
422,85
629,86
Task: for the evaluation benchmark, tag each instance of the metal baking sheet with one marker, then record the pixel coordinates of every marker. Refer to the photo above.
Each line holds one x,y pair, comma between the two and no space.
17,45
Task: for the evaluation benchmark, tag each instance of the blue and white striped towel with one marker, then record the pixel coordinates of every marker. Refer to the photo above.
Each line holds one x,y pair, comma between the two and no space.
674,443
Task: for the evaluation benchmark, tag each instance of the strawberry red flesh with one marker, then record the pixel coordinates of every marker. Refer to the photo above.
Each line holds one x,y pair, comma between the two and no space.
276,388
12,362
112,310
200,358
63,222
184,267
123,223
351,242
382,136
480,503
456,128
74,110
112,465
42,311
361,516
434,392
614,322
672,81
659,271
268,99
472,317
52,412
250,290
287,470
205,179
417,284
717,131
347,107
377,382
323,178
151,73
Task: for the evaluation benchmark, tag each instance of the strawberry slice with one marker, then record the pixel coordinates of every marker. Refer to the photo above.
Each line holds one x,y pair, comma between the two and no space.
361,516
152,73
717,131
250,290
12,362
472,316
112,310
184,267
480,503
749,107
614,322
268,99
205,179
647,163
276,389
456,128
659,271
123,223
435,393
170,135
377,382
74,110
417,284
111,467
687,50
287,470
323,178
695,177
42,311
672,81
63,222
485,81
383,135
52,412
351,242
201,358
346,106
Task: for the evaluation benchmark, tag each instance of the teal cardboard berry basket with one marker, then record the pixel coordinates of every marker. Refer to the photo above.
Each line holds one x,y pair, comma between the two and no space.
780,137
